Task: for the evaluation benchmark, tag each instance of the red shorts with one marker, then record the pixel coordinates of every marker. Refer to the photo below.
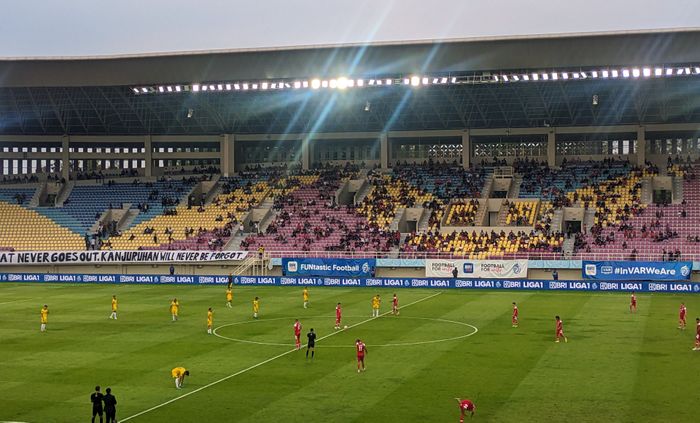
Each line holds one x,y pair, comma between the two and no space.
297,335
337,320
360,357
634,304
560,333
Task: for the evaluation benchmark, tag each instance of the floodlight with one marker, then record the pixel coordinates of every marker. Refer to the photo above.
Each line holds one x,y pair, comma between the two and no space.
454,79
178,88
333,83
605,73
297,84
245,86
425,81
583,75
220,87
658,71
389,81
646,72
526,77
635,72
204,87
545,77
161,89
614,73
535,76
228,87
315,84
555,76
264,85
565,75
443,80
135,90
236,87
360,82
324,83
415,81
594,74
144,89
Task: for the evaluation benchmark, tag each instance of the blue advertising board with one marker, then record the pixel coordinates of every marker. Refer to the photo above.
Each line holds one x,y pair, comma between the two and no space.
637,270
394,283
355,268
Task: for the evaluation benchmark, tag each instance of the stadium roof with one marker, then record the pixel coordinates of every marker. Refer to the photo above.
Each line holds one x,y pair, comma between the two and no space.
99,96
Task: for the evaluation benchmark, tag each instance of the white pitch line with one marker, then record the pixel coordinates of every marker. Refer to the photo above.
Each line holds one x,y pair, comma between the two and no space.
396,344
10,302
247,369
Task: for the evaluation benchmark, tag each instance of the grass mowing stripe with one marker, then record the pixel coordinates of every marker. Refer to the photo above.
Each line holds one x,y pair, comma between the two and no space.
216,382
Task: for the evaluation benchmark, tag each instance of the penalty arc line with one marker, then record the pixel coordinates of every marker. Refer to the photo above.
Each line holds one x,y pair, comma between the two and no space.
247,369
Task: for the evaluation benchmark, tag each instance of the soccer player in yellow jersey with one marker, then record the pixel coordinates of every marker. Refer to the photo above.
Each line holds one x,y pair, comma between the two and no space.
174,308
210,320
179,373
44,317
376,301
229,297
256,307
305,294
114,308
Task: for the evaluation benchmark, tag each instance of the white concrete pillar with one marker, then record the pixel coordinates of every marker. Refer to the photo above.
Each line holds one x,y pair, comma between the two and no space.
148,148
551,148
65,157
466,149
384,150
641,146
227,154
305,153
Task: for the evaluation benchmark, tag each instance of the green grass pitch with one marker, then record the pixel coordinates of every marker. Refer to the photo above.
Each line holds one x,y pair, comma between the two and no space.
616,366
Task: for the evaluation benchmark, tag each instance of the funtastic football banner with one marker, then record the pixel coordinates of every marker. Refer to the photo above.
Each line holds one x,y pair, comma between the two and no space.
393,283
484,269
114,256
637,270
328,267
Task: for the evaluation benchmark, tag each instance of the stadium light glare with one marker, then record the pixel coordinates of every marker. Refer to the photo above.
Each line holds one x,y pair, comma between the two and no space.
273,86
360,82
697,70
625,73
555,76
135,90
342,83
205,87
535,77
144,89
495,78
211,87
161,89
350,83
635,72
614,73
196,88
504,78
315,84
333,83
679,71
254,86
516,78
454,80
297,85
264,85
372,82
245,86
236,87
228,87
415,81
305,84
220,87
378,82
324,83
576,75
646,72
604,73
443,80
594,74
658,71
178,88
170,88
565,75
545,77
687,71
425,81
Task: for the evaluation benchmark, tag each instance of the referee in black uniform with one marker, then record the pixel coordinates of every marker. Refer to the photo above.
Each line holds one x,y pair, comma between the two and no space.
110,406
311,346
96,400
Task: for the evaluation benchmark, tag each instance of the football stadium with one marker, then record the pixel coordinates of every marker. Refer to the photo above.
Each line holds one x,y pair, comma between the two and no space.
501,226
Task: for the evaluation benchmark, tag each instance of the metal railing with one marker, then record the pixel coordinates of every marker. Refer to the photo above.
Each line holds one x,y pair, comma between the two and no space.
600,256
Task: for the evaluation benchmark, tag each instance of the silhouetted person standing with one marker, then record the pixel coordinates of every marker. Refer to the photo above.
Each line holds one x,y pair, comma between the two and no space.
110,406
96,400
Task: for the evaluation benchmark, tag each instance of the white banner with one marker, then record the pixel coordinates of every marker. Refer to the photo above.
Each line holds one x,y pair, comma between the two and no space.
121,257
485,269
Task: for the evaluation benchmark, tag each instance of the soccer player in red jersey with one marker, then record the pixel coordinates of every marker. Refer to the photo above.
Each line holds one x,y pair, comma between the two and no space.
633,303
395,305
681,317
465,406
338,313
514,319
560,330
297,334
697,335
361,352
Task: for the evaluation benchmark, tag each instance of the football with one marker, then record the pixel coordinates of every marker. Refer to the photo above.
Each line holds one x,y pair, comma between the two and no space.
345,327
